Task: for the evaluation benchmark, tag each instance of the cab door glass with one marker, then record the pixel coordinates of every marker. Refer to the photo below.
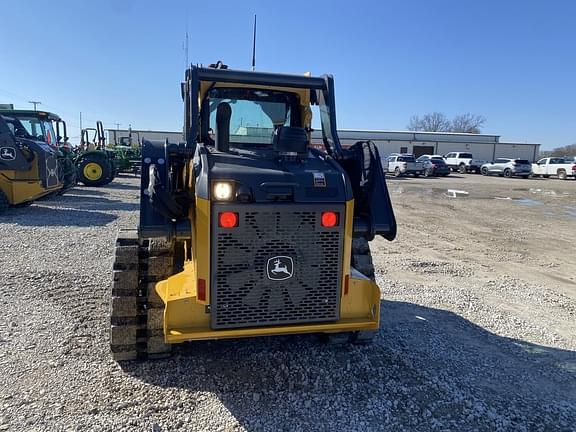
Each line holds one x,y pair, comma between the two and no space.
49,134
33,127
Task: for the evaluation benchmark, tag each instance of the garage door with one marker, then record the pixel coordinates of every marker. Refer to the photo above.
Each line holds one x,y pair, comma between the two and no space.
422,150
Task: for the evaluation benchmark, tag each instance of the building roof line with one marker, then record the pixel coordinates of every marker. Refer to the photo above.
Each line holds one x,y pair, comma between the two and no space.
414,132
143,131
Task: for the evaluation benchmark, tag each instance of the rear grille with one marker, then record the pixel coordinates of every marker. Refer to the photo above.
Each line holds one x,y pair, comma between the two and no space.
52,170
269,242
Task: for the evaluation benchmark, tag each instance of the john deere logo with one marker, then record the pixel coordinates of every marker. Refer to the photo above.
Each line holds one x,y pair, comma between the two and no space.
7,153
280,268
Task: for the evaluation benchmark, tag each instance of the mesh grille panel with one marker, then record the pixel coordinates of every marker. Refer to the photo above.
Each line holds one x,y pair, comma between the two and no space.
51,170
277,267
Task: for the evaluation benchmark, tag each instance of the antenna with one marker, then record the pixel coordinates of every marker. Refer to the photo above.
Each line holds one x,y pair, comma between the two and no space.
185,44
186,47
254,46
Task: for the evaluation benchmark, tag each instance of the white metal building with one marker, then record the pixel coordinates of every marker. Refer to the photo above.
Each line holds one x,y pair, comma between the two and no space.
114,135
482,146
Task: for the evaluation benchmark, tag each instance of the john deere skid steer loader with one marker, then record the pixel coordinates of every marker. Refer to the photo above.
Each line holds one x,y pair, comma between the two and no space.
50,129
28,167
245,230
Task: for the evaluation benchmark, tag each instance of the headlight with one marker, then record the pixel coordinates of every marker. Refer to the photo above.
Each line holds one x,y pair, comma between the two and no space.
223,191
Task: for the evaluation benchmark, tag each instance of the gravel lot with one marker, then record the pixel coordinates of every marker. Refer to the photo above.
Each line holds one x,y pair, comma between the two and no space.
478,329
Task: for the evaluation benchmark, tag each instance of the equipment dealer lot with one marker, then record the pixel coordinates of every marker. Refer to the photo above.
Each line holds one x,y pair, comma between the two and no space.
478,325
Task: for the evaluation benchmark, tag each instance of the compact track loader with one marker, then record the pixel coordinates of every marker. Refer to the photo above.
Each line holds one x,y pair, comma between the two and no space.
29,167
50,129
245,230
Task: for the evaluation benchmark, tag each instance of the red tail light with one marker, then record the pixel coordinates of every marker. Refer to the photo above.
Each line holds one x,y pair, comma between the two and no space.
201,290
574,167
329,219
228,219
346,284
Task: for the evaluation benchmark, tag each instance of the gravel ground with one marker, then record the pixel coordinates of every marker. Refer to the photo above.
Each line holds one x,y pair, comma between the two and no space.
478,329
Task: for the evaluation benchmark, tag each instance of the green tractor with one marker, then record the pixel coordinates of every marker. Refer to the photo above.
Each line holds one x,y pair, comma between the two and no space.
127,154
94,163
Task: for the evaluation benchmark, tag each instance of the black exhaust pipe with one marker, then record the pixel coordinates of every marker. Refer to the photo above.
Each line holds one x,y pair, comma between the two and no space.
223,115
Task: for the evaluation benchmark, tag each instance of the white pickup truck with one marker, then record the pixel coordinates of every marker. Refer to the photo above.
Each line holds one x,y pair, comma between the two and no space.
463,162
402,164
555,166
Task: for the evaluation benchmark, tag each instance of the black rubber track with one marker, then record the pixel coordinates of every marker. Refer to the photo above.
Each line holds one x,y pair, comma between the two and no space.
136,311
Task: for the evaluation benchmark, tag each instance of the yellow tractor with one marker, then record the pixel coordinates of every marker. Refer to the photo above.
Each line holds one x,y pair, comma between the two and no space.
29,167
245,230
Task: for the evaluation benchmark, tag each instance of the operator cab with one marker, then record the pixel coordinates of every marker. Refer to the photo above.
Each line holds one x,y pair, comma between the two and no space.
251,132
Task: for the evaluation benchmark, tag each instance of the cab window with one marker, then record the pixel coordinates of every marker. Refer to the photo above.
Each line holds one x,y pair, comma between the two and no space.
49,134
33,127
256,114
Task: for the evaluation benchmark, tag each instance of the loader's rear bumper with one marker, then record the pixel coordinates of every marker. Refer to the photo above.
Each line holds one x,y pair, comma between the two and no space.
187,334
185,319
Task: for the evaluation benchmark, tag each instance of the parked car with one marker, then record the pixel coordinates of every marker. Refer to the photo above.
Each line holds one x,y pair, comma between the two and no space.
558,166
463,162
508,167
434,165
402,164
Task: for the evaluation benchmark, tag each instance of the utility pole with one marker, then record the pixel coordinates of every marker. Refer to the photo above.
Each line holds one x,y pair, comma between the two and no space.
35,103
117,125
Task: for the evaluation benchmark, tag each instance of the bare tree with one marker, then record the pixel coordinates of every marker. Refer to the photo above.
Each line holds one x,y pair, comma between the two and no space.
468,123
438,122
568,150
432,122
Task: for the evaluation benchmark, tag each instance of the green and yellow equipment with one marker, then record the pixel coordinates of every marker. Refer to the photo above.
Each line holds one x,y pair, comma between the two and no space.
47,127
245,230
95,164
127,152
29,167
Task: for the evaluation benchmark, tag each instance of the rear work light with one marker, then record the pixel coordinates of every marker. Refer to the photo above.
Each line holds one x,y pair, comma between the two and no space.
329,219
228,219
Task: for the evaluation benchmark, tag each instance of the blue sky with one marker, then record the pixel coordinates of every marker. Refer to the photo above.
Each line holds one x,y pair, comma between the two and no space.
122,61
